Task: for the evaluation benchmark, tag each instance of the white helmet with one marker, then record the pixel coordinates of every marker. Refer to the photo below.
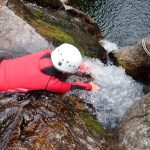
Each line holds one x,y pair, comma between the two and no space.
66,58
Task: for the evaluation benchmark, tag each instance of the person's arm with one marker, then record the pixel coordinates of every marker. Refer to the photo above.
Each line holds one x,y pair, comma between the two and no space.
85,86
57,86
81,86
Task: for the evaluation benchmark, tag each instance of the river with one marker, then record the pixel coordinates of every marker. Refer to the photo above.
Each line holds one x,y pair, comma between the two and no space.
121,21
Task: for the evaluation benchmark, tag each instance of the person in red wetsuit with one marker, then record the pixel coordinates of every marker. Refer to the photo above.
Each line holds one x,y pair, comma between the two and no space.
40,71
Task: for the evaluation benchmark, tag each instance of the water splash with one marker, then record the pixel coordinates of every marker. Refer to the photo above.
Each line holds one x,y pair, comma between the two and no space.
109,46
118,92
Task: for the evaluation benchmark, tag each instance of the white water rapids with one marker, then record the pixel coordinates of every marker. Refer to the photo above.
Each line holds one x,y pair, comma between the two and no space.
118,92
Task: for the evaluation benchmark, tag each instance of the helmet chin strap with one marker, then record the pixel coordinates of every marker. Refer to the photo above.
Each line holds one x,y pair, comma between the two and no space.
145,48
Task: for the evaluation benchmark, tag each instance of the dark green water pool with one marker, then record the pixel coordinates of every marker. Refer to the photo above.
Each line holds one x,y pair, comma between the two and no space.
121,21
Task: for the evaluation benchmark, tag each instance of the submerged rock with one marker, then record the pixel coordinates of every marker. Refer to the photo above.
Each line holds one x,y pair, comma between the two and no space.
135,60
67,25
47,121
134,133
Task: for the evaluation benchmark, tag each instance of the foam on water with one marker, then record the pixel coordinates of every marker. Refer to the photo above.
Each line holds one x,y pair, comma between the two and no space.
118,92
109,46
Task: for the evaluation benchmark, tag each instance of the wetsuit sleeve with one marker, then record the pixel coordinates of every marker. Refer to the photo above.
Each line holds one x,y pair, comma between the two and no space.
57,86
81,85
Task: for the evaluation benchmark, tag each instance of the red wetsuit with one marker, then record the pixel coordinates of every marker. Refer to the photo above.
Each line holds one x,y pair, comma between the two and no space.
28,73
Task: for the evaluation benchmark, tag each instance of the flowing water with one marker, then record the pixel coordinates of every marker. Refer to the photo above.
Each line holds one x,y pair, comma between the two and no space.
121,21
118,92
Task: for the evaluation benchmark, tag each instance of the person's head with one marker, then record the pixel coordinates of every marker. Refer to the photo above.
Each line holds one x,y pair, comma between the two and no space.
66,58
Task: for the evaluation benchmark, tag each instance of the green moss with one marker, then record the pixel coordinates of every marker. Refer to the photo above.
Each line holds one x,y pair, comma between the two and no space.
38,13
56,33
92,124
51,32
58,27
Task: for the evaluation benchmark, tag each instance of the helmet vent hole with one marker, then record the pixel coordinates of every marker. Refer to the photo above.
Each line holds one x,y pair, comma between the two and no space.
59,63
69,65
67,62
62,59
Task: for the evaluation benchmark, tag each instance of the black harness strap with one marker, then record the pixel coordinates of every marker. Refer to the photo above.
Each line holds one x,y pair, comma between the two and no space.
51,69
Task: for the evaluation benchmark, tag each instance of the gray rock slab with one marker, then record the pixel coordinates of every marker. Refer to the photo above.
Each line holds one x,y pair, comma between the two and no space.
17,35
134,133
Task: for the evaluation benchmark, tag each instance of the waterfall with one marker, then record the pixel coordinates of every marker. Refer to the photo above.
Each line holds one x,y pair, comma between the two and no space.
118,91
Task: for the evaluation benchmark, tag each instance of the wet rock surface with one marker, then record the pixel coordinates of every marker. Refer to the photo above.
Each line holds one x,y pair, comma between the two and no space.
134,133
135,60
55,4
63,25
45,121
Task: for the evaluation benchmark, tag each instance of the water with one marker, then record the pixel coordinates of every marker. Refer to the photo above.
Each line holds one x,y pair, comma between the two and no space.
118,92
121,21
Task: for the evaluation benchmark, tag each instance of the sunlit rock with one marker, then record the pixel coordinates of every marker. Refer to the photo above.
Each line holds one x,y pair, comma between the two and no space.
17,35
135,128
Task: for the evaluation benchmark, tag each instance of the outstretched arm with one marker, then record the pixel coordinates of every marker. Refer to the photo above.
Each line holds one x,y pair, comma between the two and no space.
57,86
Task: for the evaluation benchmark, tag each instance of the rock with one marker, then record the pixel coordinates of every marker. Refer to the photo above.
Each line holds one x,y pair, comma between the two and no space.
55,4
3,2
135,60
66,25
45,121
17,35
5,42
134,133
71,2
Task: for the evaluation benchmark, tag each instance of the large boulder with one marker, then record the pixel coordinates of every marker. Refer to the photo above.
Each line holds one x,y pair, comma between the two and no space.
66,25
134,133
44,121
135,59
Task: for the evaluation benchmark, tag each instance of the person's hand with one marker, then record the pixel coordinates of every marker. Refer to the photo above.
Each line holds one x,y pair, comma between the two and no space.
85,67
95,87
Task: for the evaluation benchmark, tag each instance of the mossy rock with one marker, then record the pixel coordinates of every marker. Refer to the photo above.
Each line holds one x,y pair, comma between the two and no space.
60,26
92,123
